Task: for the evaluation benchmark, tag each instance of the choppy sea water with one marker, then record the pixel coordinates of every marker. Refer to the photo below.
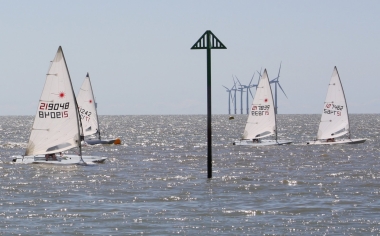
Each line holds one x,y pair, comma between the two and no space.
156,183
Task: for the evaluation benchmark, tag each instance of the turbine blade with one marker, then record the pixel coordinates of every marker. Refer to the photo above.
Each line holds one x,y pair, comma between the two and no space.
258,81
282,89
259,72
251,93
278,76
251,80
237,80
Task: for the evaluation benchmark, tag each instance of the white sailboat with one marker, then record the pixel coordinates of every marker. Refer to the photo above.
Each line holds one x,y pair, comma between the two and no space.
56,126
89,115
261,121
335,121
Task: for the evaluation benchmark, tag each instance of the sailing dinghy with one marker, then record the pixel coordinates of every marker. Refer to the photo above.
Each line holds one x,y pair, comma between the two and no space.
261,121
89,115
335,121
56,126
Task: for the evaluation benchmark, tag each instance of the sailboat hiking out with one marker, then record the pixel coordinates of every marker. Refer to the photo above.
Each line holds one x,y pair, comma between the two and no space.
89,115
56,126
335,121
261,121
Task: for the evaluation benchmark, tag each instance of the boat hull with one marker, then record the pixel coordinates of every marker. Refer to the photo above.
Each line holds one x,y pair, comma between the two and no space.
342,141
64,160
99,141
261,142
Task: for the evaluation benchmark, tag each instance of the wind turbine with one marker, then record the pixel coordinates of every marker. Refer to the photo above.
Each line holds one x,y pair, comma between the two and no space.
258,81
276,82
248,88
234,94
229,97
241,89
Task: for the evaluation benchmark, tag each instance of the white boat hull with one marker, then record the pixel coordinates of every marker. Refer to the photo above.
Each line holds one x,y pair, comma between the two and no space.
341,141
64,160
246,142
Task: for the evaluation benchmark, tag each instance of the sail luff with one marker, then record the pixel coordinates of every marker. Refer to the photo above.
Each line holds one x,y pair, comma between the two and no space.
79,125
345,102
96,110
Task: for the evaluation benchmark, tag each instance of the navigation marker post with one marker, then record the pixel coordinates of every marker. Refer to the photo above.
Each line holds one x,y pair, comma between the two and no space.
208,41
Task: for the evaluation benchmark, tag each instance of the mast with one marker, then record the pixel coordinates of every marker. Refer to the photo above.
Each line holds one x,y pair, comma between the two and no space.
275,98
79,122
96,110
345,102
275,109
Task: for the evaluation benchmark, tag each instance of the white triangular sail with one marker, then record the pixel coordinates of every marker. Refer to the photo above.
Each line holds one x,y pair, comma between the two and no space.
334,121
87,108
55,127
261,120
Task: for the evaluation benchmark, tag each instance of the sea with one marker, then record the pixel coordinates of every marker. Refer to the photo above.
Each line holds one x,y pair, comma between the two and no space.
155,182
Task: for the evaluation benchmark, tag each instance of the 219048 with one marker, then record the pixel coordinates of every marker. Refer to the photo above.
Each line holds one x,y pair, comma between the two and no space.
53,110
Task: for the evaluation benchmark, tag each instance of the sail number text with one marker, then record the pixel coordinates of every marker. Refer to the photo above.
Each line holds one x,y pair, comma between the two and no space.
53,110
84,115
260,110
332,109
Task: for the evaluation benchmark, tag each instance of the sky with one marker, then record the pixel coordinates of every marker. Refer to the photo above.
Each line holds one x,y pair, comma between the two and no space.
140,63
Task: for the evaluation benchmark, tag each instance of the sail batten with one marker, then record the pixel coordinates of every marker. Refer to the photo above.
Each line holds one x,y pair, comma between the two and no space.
335,113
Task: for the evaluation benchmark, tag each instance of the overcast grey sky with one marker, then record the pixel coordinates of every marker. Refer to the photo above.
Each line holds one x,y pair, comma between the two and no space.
139,58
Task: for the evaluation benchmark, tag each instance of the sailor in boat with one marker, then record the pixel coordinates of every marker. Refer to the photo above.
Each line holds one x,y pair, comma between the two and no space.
329,140
256,140
51,157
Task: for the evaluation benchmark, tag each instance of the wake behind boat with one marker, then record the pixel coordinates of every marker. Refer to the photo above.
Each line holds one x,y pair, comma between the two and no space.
261,121
89,115
335,120
56,126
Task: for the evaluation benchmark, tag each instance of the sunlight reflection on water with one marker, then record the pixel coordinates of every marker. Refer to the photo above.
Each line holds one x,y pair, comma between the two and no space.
155,182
